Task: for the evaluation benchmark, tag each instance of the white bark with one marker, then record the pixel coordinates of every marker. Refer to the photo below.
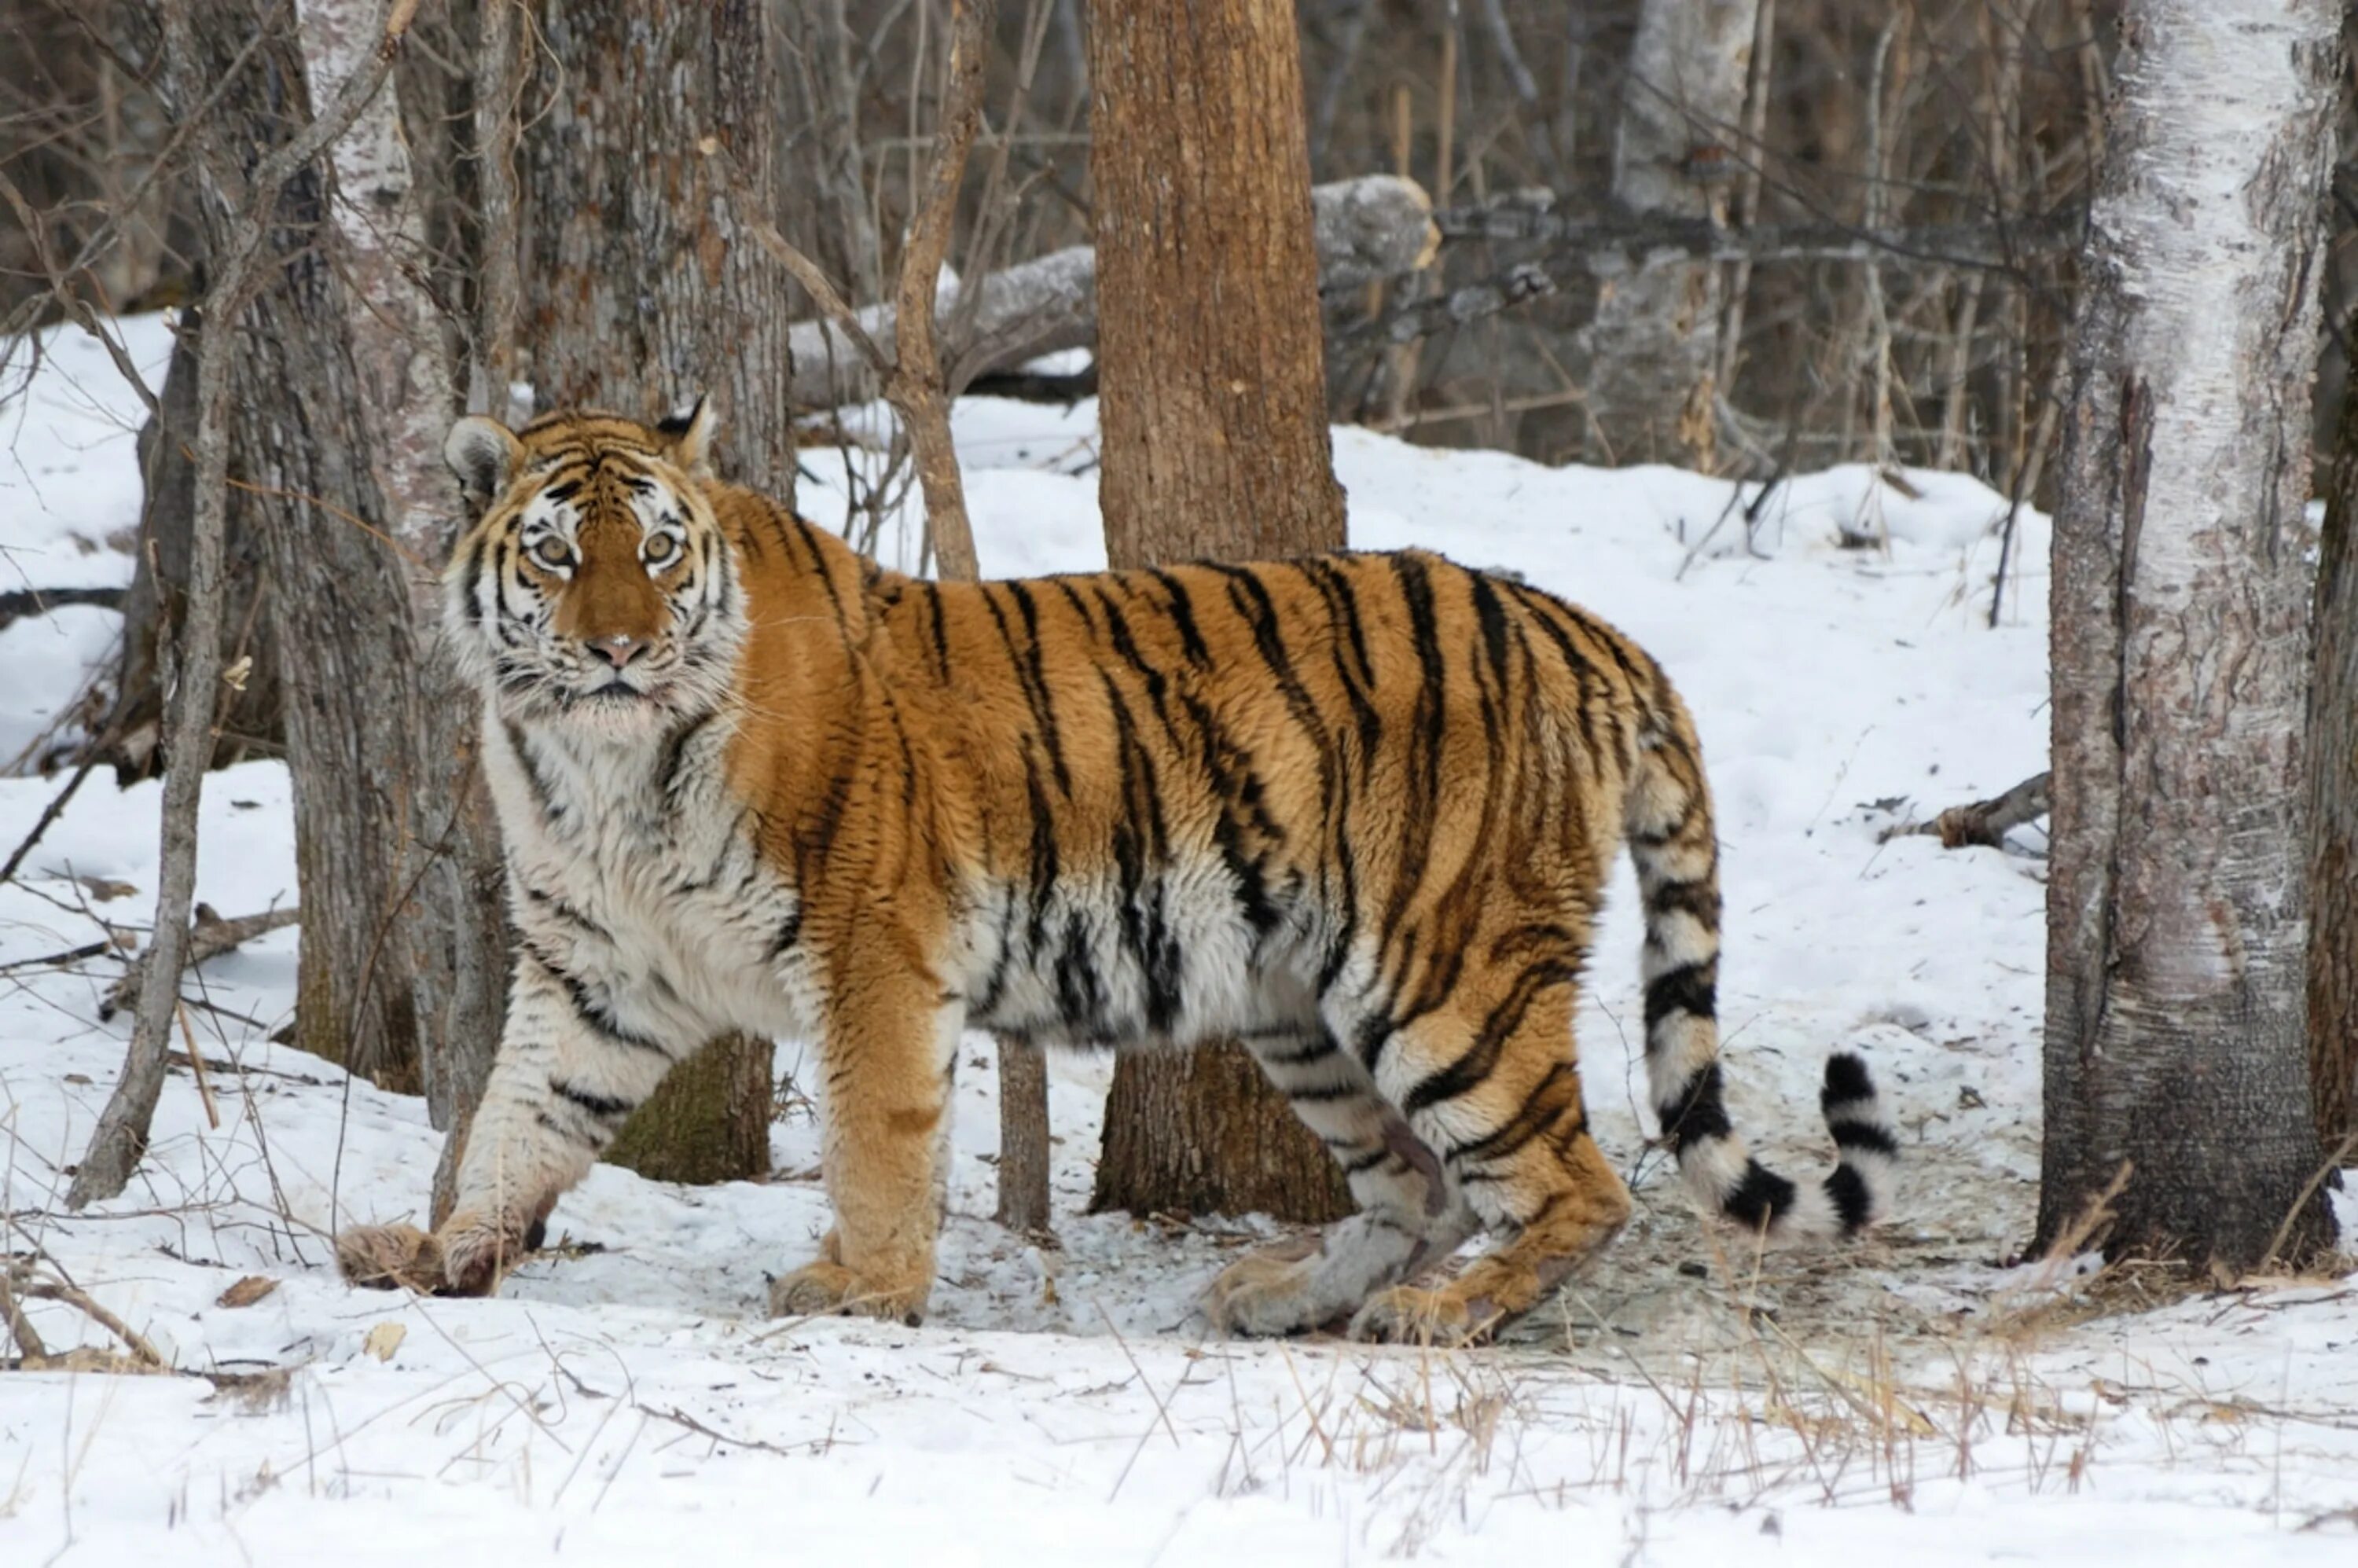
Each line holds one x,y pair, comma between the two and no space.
397,341
1378,226
2177,910
1656,336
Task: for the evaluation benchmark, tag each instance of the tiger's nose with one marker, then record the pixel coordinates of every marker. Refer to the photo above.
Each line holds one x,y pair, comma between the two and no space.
617,650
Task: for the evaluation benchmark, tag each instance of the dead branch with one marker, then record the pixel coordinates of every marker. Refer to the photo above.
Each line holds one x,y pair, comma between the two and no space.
1984,822
915,387
19,602
209,937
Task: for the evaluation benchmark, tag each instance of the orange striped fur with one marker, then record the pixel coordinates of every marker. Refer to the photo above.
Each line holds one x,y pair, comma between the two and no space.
1358,810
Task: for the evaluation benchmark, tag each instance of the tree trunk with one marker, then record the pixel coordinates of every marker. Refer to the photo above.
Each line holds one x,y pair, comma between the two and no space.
1655,342
710,1122
1213,399
157,603
640,293
447,942
301,439
2333,806
2176,917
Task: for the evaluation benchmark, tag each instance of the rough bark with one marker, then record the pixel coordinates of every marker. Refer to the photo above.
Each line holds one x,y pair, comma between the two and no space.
640,292
710,1122
2175,916
1376,227
1024,1162
1212,397
446,940
157,603
1655,341
2334,806
640,289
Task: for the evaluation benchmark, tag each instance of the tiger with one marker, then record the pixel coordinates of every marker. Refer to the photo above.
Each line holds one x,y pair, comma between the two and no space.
1355,810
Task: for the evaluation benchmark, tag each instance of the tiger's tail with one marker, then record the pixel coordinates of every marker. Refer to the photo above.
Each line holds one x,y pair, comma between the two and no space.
1669,824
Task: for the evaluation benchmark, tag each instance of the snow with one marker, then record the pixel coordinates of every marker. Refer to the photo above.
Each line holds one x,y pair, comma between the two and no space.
1682,1402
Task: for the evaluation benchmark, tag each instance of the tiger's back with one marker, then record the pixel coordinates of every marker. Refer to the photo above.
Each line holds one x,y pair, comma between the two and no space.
1358,810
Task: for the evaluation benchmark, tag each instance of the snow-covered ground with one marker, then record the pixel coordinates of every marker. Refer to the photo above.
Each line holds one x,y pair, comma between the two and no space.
1682,1402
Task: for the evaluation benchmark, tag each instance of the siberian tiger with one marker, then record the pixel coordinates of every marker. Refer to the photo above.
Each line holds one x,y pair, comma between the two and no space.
1355,810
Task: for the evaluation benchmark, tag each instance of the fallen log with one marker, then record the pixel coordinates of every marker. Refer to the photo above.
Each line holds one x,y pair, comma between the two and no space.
1377,227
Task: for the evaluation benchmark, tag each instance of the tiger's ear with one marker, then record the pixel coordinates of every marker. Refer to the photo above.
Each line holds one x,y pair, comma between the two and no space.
483,453
688,437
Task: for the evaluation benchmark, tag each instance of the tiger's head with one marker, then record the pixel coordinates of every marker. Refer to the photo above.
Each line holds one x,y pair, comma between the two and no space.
597,590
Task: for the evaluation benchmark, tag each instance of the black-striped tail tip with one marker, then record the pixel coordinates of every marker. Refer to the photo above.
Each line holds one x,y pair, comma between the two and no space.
1859,1186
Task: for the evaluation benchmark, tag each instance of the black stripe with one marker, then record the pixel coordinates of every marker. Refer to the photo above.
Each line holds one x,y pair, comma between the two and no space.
1697,1112
605,1108
1481,1058
1492,617
1846,1080
789,933
541,794
941,637
1759,1198
1073,598
1555,1094
1690,989
1043,850
1080,999
599,1014
1853,1135
561,908
1034,675
675,753
1851,1198
1318,1047
1698,898
570,1133
1181,611
1415,581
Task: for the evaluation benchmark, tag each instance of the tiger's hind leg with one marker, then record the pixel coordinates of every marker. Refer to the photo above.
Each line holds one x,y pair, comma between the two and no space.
1502,1102
1406,1206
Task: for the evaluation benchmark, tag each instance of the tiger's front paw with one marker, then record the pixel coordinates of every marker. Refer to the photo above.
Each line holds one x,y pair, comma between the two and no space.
1407,1315
466,1257
389,1257
824,1286
1271,1291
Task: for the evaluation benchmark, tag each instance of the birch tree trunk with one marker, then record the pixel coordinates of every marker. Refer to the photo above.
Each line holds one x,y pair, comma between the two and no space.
301,441
1213,399
1654,345
640,292
2333,806
448,943
2176,915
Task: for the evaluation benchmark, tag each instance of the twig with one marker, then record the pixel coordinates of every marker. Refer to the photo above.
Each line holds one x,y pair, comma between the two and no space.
209,937
49,814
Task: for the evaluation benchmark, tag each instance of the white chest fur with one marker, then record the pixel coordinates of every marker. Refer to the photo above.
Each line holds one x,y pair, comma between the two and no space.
632,864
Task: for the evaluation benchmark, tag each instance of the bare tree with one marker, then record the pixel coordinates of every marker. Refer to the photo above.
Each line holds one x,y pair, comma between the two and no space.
1212,388
2175,1044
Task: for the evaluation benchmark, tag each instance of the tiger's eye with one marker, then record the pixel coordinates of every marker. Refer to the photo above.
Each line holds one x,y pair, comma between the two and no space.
659,549
552,552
